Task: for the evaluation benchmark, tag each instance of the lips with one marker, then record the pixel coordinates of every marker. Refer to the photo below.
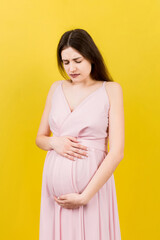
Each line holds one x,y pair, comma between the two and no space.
74,75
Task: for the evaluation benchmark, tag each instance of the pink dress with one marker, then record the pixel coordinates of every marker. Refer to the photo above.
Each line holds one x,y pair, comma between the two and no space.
98,220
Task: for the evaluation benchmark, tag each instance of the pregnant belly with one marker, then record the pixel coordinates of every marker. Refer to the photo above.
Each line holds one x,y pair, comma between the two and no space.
66,176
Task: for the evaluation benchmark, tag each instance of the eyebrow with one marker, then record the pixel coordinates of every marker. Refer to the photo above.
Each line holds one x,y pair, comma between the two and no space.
73,59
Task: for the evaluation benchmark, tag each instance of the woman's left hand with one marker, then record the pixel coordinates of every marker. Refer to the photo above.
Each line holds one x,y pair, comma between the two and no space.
71,200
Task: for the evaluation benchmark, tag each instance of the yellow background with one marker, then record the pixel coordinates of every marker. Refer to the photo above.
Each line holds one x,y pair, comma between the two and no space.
127,34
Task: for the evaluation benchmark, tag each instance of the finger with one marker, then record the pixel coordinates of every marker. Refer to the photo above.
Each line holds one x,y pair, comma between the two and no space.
68,206
61,201
63,197
64,206
79,146
69,156
72,154
79,152
73,139
76,155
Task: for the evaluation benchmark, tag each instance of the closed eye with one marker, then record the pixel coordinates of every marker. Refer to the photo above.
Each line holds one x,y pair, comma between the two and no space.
76,62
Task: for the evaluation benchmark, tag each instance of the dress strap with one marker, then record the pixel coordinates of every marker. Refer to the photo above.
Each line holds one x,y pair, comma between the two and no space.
103,83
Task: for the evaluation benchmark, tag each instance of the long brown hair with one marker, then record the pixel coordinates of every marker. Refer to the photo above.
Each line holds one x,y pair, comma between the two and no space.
80,40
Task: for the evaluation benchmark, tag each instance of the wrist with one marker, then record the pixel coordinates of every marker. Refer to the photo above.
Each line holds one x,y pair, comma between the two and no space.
84,198
52,142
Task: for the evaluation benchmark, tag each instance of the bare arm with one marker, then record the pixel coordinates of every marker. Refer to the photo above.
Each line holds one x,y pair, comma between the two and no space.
43,138
116,143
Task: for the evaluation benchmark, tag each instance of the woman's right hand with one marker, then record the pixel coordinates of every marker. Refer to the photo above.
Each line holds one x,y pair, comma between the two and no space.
69,147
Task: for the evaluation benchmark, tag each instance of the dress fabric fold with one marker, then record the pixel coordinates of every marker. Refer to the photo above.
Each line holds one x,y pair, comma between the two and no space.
98,219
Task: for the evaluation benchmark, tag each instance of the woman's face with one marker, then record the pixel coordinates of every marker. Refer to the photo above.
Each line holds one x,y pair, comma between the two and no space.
76,66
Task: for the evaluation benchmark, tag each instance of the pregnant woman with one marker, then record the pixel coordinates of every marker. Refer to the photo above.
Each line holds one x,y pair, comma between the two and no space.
84,112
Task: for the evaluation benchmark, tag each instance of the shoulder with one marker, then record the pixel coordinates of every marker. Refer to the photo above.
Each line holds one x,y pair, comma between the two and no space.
113,86
54,86
114,91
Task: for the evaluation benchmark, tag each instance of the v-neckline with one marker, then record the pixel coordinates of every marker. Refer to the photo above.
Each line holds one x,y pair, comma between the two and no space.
82,102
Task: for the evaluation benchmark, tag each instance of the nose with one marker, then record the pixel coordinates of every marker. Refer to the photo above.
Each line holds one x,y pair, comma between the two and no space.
72,67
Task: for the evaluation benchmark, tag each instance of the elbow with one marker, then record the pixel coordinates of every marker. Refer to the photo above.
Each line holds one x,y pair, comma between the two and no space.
36,142
121,156
118,155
